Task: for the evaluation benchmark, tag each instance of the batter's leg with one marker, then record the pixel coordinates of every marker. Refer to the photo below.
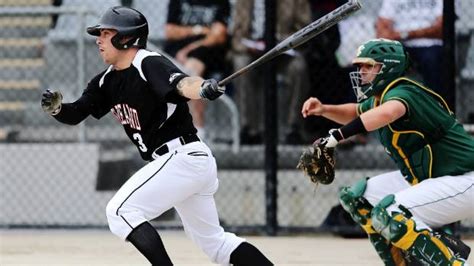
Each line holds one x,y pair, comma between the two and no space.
247,254
200,220
147,240
150,192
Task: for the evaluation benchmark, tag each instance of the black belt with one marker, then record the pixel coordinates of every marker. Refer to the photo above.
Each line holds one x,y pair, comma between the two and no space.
163,149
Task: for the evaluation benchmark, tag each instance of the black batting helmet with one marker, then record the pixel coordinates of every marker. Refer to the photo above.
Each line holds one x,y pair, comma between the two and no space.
128,22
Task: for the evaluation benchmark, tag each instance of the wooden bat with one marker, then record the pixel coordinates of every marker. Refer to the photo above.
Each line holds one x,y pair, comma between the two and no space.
300,37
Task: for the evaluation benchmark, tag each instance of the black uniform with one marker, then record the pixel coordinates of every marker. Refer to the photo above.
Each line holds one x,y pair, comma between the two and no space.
143,98
183,172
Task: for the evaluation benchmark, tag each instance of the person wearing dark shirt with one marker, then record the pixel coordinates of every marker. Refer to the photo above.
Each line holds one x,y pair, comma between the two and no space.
148,95
196,35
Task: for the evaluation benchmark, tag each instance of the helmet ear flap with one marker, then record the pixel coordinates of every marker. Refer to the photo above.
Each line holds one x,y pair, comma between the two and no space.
117,42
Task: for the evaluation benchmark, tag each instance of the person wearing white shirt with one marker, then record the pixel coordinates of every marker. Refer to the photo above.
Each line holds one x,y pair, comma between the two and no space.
418,24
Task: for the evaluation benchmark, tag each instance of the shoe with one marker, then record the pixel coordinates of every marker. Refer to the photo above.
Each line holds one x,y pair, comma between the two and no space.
459,248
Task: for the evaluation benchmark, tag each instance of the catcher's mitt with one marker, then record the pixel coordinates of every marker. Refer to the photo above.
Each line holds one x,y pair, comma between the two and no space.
318,163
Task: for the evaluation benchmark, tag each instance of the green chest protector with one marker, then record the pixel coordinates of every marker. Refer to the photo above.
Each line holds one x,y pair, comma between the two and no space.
409,140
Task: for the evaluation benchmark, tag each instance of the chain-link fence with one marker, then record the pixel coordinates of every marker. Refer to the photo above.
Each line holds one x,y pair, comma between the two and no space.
57,175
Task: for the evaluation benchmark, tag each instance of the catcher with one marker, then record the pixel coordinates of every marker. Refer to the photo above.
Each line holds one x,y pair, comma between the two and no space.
434,183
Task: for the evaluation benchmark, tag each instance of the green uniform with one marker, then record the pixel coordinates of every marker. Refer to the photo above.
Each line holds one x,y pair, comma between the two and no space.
428,141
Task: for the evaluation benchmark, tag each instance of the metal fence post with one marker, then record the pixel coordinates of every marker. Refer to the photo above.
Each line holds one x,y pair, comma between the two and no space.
271,123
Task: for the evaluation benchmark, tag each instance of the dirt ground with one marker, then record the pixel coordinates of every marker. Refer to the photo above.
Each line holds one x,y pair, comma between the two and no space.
100,247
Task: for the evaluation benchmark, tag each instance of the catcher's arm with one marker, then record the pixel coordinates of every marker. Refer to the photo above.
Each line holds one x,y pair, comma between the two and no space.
373,119
340,113
382,115
318,162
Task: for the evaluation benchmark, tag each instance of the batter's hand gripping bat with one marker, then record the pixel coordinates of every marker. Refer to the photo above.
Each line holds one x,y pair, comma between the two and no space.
300,37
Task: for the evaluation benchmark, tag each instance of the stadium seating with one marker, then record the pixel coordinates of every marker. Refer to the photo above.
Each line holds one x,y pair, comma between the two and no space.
21,62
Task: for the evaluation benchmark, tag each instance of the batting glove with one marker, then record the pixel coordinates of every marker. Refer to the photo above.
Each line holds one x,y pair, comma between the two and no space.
211,90
51,102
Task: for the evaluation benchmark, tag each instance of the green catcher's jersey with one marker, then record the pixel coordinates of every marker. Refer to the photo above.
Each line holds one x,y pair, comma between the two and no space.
427,141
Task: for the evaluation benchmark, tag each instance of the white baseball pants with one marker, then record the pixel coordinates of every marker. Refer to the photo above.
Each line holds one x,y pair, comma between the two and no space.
433,202
184,178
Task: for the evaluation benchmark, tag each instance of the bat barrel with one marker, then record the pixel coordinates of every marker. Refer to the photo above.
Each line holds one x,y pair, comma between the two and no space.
318,26
300,37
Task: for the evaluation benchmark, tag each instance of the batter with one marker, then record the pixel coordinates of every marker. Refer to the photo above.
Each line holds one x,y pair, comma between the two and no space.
148,95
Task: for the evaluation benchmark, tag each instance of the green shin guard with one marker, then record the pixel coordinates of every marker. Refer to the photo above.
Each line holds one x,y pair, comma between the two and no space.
401,231
352,200
390,255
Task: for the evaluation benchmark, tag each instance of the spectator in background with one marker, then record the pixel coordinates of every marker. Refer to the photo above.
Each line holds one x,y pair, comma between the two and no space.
196,33
326,83
418,24
248,44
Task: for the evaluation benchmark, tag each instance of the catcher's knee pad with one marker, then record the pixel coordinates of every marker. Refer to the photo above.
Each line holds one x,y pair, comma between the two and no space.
400,229
356,205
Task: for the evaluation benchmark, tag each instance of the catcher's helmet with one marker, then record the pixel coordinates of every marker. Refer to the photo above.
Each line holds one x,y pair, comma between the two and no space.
390,55
128,22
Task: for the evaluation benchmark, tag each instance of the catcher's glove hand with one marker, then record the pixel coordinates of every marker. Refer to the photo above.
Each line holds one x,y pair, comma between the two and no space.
318,162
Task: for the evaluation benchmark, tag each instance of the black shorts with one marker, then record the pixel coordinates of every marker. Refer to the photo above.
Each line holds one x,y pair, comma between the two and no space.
212,57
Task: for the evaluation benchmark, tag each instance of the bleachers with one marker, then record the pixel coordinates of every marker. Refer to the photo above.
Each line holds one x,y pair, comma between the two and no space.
34,56
21,61
61,48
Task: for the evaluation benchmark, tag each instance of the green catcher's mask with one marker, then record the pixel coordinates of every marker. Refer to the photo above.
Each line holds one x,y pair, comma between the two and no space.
393,60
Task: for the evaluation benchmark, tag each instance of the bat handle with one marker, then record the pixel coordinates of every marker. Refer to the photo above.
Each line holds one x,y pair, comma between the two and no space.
246,68
225,81
241,71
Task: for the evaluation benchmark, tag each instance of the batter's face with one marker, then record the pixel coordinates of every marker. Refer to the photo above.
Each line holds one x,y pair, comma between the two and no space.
107,51
368,72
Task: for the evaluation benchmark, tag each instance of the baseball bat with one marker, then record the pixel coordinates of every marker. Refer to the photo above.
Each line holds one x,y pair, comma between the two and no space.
300,37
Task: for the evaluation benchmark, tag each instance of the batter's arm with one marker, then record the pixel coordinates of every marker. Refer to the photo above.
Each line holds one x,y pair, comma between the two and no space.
71,114
190,87
198,88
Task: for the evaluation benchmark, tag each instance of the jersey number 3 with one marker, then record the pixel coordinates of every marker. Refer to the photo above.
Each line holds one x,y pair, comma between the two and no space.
139,139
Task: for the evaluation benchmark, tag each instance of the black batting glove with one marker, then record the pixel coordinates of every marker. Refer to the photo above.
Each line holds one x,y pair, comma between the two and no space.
51,102
211,90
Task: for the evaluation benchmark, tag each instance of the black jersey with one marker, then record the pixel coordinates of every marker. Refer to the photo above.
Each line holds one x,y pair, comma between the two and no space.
143,98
